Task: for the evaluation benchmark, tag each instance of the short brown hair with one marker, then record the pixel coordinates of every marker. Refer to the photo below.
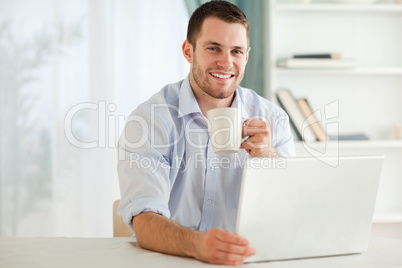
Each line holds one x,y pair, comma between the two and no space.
219,9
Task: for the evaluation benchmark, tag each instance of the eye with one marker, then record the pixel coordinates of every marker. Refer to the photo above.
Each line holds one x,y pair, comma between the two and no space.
238,52
212,49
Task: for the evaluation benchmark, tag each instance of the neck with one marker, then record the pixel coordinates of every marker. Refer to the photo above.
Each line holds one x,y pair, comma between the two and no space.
207,102
212,103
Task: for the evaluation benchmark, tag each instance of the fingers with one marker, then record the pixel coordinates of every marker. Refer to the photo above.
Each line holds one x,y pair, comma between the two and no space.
260,151
256,123
229,237
259,143
234,249
259,133
233,259
230,243
254,126
256,142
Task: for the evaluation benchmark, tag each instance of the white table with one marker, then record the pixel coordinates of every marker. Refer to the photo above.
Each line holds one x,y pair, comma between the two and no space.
124,252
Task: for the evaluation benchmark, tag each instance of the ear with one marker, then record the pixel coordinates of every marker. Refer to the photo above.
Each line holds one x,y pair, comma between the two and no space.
248,51
187,49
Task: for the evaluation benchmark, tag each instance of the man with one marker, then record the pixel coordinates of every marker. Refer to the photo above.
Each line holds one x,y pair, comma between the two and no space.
178,195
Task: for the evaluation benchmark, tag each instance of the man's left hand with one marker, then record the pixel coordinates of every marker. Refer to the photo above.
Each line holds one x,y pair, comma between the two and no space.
259,143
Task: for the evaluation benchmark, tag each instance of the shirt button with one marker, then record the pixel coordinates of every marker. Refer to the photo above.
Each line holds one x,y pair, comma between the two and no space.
209,201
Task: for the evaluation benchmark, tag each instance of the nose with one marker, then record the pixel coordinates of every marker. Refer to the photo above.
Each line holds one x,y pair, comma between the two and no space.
225,60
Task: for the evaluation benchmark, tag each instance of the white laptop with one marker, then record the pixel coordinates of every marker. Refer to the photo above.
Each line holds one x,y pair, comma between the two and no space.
304,207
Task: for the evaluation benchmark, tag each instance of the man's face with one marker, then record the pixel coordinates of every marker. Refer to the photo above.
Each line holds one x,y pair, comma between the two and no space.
219,59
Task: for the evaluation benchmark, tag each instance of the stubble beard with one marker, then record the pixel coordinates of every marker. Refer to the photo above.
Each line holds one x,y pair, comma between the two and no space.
201,79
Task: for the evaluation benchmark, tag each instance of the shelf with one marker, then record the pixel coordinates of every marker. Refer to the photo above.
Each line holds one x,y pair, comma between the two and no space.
390,144
339,7
356,71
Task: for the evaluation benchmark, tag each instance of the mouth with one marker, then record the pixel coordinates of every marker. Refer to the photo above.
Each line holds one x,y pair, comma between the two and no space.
221,75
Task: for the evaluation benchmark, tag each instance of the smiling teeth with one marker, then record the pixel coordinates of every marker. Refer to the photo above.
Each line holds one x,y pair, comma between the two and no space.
221,75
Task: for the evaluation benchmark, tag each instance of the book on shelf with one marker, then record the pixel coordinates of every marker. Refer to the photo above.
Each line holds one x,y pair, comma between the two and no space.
308,63
312,120
349,137
296,117
305,125
318,56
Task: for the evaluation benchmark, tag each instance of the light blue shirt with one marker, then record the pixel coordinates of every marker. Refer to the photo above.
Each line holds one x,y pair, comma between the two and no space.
167,165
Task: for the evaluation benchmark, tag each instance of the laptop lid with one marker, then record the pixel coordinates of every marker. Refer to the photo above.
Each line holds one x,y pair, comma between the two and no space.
304,207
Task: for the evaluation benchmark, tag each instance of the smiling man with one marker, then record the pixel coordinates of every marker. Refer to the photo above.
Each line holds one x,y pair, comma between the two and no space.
177,194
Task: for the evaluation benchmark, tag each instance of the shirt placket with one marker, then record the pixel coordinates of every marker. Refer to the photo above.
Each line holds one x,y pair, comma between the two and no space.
210,191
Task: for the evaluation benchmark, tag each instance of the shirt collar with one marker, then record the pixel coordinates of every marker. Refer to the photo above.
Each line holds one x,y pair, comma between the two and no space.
188,104
239,103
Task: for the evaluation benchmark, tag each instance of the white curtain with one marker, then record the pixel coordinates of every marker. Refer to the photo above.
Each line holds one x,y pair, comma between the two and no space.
71,71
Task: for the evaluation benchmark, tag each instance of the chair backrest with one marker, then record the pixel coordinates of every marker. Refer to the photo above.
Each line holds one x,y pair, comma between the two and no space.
120,229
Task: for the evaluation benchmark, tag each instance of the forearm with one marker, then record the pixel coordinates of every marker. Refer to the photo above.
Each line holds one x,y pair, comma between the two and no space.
157,233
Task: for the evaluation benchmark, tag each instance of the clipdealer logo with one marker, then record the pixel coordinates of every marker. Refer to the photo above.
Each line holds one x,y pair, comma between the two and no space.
107,125
110,125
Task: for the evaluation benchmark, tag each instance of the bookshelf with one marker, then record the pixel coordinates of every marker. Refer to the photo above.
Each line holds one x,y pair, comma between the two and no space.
369,96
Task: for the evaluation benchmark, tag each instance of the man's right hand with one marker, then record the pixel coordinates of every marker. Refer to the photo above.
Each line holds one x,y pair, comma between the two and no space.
218,246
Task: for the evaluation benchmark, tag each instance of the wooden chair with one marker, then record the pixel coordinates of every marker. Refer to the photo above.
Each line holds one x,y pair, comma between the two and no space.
120,229
387,229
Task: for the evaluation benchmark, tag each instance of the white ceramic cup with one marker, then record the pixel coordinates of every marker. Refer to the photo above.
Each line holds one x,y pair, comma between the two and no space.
225,127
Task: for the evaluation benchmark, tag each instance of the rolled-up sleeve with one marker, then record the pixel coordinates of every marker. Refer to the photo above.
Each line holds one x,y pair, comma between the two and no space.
143,170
